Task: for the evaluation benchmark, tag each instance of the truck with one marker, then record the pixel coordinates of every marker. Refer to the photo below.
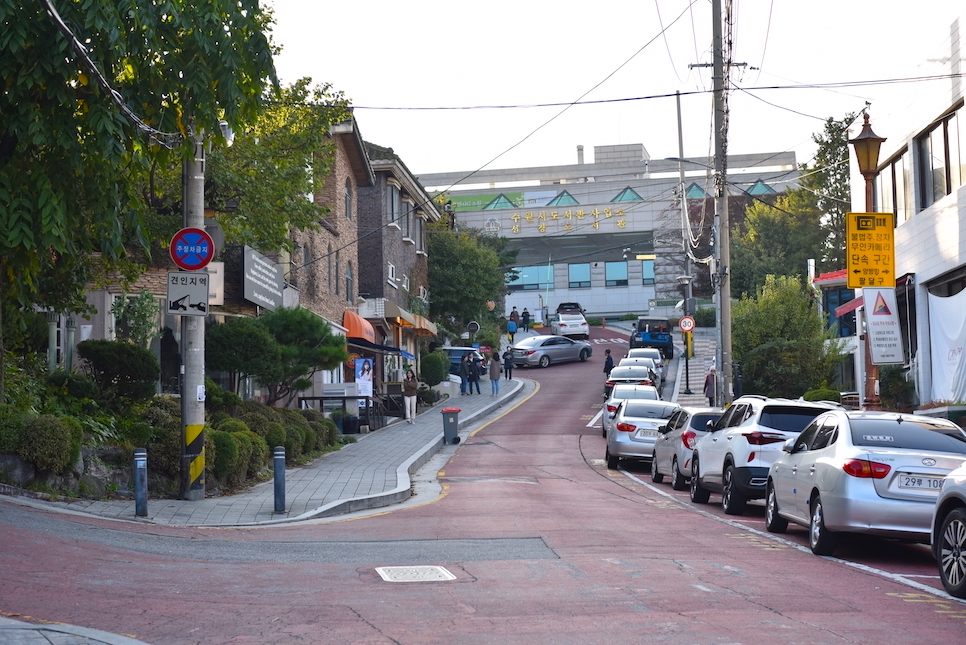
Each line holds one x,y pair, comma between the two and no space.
650,331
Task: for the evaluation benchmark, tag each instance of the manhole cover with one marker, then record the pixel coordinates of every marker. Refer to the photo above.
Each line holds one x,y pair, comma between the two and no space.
414,574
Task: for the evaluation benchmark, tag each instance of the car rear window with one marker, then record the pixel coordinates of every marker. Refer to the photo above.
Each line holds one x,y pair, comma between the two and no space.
635,393
649,410
630,372
909,435
787,419
700,421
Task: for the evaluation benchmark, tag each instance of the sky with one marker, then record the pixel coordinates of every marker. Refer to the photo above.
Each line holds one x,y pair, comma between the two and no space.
399,62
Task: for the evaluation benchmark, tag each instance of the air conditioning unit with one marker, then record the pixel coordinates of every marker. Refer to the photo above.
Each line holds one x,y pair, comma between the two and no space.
341,389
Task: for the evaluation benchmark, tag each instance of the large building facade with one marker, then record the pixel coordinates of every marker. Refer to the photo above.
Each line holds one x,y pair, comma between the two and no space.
607,234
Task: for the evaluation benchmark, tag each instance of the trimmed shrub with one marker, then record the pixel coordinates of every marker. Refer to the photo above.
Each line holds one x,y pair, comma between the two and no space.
434,368
256,423
124,372
77,386
333,435
76,438
239,470
13,424
260,456
163,412
294,440
312,415
274,434
47,443
704,317
254,407
226,453
233,425
164,455
311,442
321,434
292,417
218,399
139,433
823,394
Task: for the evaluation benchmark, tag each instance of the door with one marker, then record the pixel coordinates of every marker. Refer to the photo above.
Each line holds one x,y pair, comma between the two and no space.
785,473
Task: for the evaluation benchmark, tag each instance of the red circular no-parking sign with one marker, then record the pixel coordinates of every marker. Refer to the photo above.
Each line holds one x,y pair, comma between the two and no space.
192,249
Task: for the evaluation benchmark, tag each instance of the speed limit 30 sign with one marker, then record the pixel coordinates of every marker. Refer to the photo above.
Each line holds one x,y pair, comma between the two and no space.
686,323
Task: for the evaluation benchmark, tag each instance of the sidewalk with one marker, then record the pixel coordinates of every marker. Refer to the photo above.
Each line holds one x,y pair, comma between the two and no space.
14,632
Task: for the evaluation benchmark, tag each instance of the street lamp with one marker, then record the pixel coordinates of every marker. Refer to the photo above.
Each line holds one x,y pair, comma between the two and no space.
686,281
866,147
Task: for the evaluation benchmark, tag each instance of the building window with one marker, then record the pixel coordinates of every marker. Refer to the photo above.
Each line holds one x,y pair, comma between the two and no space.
647,271
348,199
615,274
579,276
531,279
336,274
420,233
894,188
328,263
405,282
394,205
348,282
832,299
392,272
940,160
407,223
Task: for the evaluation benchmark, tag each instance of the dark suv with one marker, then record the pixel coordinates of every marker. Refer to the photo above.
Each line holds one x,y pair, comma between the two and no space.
569,308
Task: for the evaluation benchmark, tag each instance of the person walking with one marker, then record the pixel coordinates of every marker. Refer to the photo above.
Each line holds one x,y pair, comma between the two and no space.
495,369
710,385
465,366
410,388
508,363
474,376
515,316
511,330
608,363
525,319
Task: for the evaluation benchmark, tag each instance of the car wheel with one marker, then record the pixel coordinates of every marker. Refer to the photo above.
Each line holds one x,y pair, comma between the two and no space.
583,355
656,477
699,494
732,501
678,481
820,539
774,522
603,431
952,552
612,461
544,361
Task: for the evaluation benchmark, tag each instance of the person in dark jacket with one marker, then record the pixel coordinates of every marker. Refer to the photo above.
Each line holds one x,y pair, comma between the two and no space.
525,319
474,375
508,363
465,366
410,388
608,363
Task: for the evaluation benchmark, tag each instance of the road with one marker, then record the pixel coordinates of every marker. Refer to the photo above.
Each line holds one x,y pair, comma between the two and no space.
545,544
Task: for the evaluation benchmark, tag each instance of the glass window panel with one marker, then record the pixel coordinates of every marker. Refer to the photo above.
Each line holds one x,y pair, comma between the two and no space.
532,278
579,276
615,274
647,271
937,147
885,187
905,187
955,151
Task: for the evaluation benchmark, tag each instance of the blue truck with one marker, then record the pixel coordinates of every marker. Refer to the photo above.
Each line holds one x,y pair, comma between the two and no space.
653,332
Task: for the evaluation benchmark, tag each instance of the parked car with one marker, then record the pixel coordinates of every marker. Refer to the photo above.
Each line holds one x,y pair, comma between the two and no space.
875,473
653,332
634,429
650,352
949,532
456,355
571,325
734,457
621,392
675,444
570,308
635,375
544,350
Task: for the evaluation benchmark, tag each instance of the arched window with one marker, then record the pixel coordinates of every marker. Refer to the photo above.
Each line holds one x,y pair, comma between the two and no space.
336,272
348,199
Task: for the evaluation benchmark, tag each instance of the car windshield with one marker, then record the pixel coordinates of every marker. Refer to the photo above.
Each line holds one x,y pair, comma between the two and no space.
631,372
648,410
907,435
788,419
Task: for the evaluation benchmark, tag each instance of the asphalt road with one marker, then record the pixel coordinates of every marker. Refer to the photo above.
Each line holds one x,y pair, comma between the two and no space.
545,544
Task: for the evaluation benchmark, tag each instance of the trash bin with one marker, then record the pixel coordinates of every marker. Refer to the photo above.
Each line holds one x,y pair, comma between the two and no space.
451,426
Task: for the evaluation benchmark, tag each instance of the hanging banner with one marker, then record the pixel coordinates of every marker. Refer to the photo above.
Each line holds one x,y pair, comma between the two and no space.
947,337
882,326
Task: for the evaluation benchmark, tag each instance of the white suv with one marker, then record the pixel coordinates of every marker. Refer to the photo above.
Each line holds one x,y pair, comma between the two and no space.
734,457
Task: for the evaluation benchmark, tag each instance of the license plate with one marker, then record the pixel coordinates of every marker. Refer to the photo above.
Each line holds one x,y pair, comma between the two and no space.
920,482
647,433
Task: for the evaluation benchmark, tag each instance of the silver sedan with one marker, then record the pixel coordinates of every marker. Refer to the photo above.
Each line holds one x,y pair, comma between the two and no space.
545,350
675,445
618,394
875,473
634,429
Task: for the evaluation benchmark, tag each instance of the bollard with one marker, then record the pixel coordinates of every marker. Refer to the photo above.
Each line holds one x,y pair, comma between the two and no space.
279,458
603,323
140,482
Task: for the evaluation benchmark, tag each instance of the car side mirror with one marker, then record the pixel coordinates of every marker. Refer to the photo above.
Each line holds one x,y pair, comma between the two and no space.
789,445
711,426
663,429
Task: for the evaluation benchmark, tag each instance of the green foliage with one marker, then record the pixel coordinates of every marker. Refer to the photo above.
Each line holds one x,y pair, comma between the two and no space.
163,412
233,425
242,347
294,441
465,274
823,394
218,399
13,424
48,443
24,330
164,454
124,373
705,317
244,446
137,318
293,418
226,452
332,434
434,368
139,434
895,392
426,396
779,340
828,179
311,414
274,434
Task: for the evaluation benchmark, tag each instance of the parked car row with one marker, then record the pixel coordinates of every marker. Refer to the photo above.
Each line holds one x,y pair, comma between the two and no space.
818,465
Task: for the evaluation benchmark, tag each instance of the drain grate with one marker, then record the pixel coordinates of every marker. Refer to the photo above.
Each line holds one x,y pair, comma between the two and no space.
429,573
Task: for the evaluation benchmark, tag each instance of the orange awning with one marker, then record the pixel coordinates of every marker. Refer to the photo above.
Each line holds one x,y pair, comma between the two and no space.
358,327
424,327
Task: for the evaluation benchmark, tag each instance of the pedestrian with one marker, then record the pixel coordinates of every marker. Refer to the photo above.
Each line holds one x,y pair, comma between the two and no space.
511,329
525,319
508,363
465,366
710,386
410,388
474,376
608,363
515,316
495,369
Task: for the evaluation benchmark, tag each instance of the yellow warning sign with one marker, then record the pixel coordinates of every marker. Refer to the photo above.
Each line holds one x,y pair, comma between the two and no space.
870,258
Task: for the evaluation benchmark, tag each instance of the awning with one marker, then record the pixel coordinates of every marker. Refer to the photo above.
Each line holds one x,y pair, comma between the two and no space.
851,305
401,317
424,327
358,327
406,354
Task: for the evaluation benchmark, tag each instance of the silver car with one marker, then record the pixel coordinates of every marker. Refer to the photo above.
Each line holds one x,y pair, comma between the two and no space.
618,394
949,533
876,473
634,429
545,350
675,445
649,352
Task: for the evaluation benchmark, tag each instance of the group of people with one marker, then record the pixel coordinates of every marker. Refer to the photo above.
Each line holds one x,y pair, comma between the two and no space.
517,321
472,368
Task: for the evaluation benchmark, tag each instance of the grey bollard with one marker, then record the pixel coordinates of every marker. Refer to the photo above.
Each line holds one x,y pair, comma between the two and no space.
279,459
140,482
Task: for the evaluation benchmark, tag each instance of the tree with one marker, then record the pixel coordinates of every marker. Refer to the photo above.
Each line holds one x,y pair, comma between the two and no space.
242,347
779,240
780,342
828,180
80,124
464,275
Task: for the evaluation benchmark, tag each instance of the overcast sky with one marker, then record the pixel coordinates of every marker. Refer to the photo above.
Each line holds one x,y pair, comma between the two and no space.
422,54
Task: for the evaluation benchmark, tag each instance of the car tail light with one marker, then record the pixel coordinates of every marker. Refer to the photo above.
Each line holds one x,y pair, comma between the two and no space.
609,384
532,351
626,427
611,408
865,469
757,438
689,439
562,324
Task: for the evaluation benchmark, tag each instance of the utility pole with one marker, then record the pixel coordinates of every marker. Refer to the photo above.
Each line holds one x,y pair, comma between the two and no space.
193,343
686,238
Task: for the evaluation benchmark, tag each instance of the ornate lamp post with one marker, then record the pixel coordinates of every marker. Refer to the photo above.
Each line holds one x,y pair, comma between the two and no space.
866,147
